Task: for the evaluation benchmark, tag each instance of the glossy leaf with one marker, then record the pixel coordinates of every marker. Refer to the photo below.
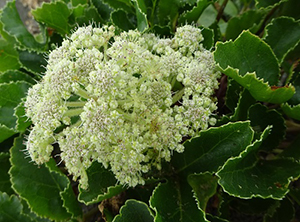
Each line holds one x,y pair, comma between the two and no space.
41,188
10,96
126,5
6,132
22,120
134,210
244,102
261,118
291,111
11,209
13,25
208,36
284,213
33,62
102,185
248,53
246,176
103,9
212,148
204,186
194,14
90,15
283,35
54,15
120,19
167,15
251,19
233,92
142,22
173,201
5,185
268,3
14,76
8,56
259,89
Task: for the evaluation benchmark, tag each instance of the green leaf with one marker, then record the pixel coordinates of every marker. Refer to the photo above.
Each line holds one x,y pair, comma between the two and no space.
248,53
11,209
205,186
167,15
284,213
103,9
55,15
292,111
194,14
244,102
10,96
68,196
268,3
259,89
246,176
8,56
213,147
208,35
13,25
261,118
14,76
233,92
5,185
120,19
292,151
134,210
283,35
6,132
141,15
173,201
102,185
22,120
41,188
33,62
90,15
126,5
251,19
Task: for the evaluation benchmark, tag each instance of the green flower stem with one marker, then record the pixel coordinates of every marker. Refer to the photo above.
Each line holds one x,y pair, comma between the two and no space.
76,104
104,52
178,96
83,93
73,112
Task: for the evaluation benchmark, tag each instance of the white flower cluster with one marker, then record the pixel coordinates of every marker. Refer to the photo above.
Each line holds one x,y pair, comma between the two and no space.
125,101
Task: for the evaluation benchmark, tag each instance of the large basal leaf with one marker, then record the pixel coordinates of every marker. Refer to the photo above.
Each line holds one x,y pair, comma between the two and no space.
6,132
174,202
259,89
291,111
247,176
103,9
126,5
283,35
136,211
261,118
204,186
13,25
5,185
167,15
141,15
213,147
250,19
102,185
248,53
40,187
11,209
8,56
234,89
54,15
194,14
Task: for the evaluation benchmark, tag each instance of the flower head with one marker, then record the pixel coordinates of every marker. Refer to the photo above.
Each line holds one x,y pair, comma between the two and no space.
125,101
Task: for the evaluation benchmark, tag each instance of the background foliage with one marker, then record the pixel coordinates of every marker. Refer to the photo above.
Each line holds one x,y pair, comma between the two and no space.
247,166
